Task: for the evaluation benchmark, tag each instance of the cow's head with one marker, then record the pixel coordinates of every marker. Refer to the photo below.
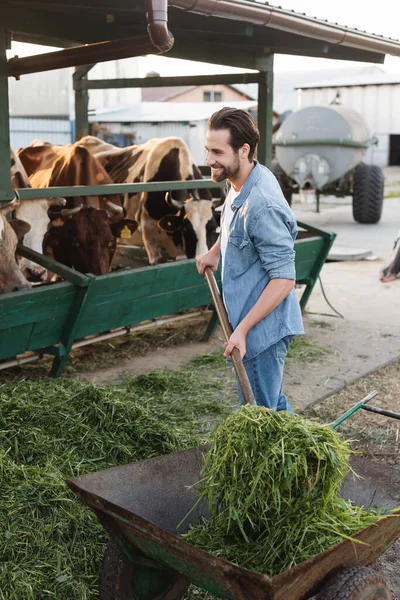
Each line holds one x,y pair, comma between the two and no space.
190,224
11,278
85,238
33,212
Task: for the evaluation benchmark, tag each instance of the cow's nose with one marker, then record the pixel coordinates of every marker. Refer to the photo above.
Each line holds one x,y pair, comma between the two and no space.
36,274
21,286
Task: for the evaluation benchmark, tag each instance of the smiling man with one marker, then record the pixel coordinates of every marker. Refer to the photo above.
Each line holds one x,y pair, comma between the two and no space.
256,249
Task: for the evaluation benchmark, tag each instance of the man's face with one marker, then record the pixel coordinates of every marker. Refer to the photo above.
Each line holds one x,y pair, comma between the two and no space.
221,157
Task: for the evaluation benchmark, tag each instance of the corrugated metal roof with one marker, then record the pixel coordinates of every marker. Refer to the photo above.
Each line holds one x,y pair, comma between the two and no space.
330,23
285,20
166,111
201,29
360,80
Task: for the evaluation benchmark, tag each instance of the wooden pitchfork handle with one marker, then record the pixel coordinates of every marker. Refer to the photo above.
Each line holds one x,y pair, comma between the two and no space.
227,331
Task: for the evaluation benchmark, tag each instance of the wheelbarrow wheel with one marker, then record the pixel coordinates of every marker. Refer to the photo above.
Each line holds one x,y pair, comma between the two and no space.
123,579
355,583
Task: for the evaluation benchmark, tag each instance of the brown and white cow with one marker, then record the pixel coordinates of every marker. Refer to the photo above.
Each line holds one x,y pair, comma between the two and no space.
178,224
33,212
84,234
85,238
11,277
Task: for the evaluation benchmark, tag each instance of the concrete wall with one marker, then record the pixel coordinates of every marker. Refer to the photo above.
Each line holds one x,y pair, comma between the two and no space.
50,94
116,69
378,104
41,94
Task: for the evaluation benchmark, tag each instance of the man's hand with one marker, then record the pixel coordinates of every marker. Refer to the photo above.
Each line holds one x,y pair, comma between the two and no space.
209,259
237,340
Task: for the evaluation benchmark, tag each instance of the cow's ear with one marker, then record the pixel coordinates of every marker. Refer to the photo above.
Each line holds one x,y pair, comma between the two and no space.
169,223
20,227
124,228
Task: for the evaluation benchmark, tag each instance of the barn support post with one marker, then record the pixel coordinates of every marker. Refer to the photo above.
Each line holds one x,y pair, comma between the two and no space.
81,101
265,111
6,193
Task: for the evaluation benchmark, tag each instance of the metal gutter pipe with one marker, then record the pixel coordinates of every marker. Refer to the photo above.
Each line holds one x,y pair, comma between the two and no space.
158,41
290,21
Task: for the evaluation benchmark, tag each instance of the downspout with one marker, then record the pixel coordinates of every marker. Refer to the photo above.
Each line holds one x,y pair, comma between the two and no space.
158,41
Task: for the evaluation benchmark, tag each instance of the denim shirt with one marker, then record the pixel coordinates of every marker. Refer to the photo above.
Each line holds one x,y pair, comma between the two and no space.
260,248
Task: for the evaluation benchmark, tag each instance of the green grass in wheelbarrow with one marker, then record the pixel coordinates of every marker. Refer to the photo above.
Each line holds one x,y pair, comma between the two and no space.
272,484
51,545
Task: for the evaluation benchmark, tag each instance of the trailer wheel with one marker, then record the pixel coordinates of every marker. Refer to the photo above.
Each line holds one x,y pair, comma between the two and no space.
355,583
367,193
122,579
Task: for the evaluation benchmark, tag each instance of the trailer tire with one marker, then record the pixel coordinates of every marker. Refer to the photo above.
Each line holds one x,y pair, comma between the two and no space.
367,193
117,574
355,583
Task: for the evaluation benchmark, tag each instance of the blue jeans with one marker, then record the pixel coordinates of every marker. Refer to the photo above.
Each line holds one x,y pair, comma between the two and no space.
265,372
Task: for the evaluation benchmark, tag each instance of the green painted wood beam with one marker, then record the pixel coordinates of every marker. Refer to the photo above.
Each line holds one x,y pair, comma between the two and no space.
52,265
150,82
6,193
81,101
116,188
245,56
265,113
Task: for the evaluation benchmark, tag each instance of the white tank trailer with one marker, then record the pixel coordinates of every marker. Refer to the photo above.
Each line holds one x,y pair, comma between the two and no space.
322,147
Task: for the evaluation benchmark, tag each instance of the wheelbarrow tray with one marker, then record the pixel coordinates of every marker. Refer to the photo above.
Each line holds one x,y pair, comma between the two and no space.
142,504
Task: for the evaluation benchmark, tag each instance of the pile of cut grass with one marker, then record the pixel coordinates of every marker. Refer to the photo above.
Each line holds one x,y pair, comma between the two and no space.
272,481
50,545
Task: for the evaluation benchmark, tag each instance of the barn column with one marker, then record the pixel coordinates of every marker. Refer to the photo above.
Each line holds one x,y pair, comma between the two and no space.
6,193
265,111
81,101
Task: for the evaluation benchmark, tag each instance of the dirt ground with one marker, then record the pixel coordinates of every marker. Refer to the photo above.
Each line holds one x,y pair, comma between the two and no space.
340,360
328,371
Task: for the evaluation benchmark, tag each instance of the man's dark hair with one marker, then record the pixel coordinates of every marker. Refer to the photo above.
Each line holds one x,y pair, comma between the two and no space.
241,126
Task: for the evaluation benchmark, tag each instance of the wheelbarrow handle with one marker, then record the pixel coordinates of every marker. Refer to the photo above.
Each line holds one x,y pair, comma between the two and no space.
353,409
227,332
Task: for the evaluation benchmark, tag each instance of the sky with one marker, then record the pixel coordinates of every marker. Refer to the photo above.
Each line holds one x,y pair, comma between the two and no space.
381,18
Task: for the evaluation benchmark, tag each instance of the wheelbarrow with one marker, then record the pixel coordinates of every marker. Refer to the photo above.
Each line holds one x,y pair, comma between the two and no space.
144,506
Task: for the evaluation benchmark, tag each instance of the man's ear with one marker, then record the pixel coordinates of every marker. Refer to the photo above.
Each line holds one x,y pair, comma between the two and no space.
245,150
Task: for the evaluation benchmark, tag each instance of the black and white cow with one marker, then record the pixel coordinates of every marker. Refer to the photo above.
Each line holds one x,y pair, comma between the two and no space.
177,223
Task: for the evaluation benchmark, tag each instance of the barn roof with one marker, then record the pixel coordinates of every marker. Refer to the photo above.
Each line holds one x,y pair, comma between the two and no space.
153,112
358,80
229,32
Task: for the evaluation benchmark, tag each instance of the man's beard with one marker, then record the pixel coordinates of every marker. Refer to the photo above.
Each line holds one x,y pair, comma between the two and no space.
226,173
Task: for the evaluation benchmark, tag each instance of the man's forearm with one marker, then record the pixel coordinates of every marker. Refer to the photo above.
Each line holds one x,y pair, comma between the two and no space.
271,297
216,248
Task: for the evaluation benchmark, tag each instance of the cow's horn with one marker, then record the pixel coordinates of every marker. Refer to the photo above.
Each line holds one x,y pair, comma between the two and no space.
68,212
174,203
57,201
195,194
8,208
114,208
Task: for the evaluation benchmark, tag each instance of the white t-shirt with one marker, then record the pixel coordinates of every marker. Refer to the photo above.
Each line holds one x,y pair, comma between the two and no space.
225,224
